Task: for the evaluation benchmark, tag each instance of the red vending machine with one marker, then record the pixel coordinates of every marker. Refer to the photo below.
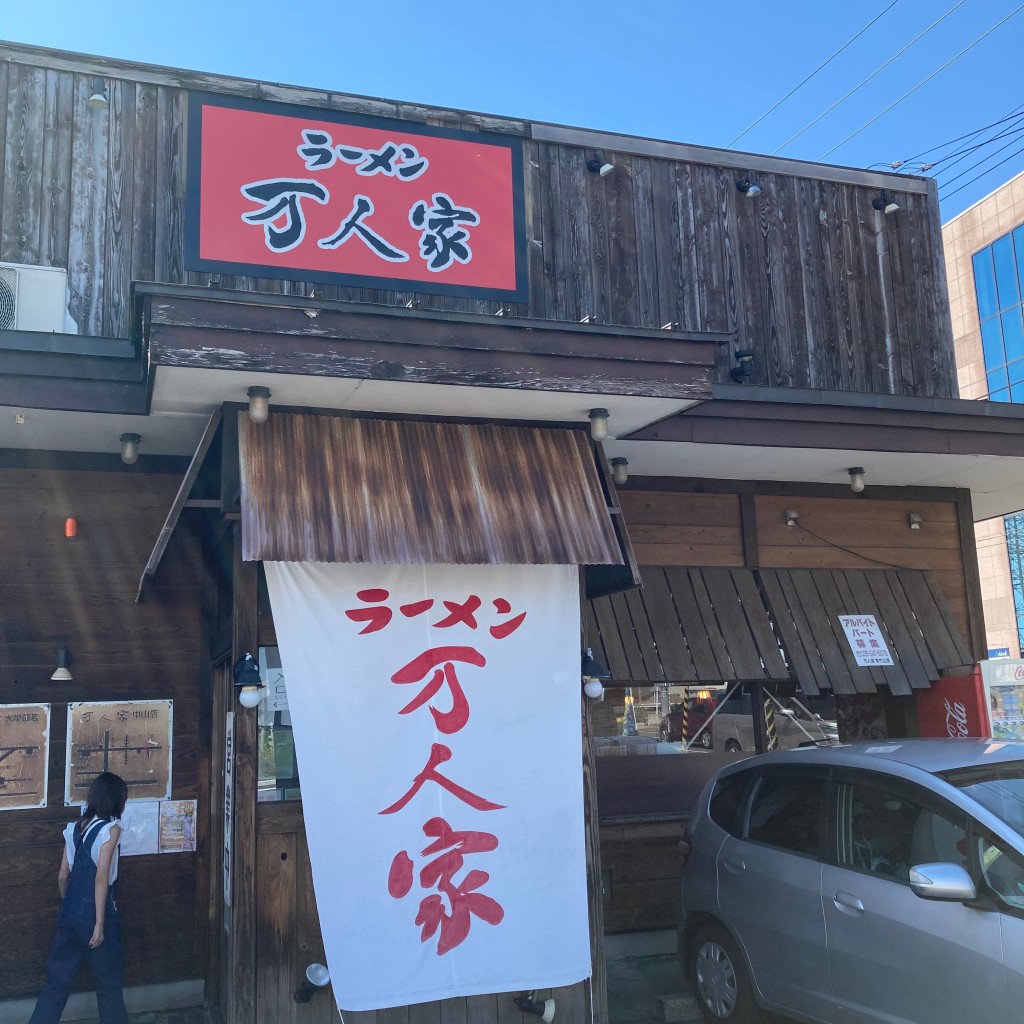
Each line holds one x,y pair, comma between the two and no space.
988,702
954,706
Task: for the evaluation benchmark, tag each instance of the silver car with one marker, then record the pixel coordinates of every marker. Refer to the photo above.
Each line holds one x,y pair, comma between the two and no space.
868,882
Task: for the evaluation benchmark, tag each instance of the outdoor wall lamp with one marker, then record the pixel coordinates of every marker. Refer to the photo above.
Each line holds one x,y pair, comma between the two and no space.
527,1002
259,403
598,424
98,95
744,365
748,188
130,448
885,202
914,520
62,674
246,674
620,470
593,672
792,517
317,977
598,163
856,478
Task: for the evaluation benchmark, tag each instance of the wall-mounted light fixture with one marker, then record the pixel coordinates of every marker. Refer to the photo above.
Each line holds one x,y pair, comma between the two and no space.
748,188
598,424
246,674
884,201
593,672
620,470
62,673
259,403
130,448
98,96
744,365
317,977
856,478
792,517
527,1002
914,520
598,163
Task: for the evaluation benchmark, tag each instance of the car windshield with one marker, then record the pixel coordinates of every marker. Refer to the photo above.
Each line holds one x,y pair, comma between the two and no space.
998,788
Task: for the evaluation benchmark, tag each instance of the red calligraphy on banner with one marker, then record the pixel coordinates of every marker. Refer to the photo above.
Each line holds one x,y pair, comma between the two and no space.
452,903
461,898
309,194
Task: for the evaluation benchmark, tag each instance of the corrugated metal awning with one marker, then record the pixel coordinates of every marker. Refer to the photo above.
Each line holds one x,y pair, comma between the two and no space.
344,489
708,626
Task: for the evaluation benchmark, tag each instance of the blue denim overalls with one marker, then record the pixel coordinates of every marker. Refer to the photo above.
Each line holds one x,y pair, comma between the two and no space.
75,924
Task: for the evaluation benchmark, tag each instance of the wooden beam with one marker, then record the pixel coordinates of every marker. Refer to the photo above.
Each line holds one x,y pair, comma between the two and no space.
976,637
243,903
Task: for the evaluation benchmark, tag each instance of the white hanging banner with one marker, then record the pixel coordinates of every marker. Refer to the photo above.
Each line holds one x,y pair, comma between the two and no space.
866,640
436,712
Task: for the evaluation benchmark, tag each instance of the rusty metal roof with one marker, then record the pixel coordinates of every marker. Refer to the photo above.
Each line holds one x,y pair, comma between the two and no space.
344,489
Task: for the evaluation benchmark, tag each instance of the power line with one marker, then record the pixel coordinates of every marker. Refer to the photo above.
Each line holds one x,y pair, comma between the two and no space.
960,138
983,173
971,46
877,70
963,154
821,67
957,177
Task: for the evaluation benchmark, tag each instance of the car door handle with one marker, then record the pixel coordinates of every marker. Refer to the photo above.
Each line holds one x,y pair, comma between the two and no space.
848,903
734,864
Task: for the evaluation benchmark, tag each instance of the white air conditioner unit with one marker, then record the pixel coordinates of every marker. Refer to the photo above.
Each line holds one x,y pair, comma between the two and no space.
34,299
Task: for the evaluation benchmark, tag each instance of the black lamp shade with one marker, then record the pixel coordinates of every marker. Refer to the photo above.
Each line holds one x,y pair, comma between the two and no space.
591,668
246,672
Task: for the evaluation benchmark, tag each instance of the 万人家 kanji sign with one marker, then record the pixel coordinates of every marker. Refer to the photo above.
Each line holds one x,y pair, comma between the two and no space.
447,699
866,640
316,195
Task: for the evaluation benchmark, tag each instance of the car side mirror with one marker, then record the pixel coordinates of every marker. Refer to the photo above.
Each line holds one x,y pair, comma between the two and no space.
942,882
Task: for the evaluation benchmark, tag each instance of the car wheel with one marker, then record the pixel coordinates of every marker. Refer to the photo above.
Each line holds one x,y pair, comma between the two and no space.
705,739
720,979
732,745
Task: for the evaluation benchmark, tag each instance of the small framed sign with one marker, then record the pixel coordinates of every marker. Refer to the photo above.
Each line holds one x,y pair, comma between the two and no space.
317,195
866,640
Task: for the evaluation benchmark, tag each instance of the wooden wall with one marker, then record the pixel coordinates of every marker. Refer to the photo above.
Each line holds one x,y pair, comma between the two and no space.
836,531
660,241
82,592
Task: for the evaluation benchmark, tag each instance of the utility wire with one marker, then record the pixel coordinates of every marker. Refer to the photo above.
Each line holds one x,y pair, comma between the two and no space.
960,188
1009,132
971,46
960,138
821,67
950,181
880,68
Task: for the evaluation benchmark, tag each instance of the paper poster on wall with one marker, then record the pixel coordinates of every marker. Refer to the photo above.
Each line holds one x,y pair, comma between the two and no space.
866,640
177,826
140,828
24,755
131,738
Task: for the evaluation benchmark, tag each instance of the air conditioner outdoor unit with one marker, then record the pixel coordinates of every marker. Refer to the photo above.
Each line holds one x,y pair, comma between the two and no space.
34,299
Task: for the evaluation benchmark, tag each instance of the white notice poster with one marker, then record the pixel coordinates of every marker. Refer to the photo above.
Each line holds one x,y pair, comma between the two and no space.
866,640
436,712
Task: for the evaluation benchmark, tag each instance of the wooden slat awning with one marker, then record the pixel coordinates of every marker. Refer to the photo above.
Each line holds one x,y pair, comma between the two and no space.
712,626
907,604
344,489
687,626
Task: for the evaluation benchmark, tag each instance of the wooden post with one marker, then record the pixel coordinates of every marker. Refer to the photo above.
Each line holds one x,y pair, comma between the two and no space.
243,903
598,996
757,714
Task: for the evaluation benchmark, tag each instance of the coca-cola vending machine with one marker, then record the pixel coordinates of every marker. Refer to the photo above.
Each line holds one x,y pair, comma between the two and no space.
988,702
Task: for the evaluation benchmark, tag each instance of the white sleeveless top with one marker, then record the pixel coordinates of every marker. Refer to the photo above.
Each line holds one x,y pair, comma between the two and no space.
100,841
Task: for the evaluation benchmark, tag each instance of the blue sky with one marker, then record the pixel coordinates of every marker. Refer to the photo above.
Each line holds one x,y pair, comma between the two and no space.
697,72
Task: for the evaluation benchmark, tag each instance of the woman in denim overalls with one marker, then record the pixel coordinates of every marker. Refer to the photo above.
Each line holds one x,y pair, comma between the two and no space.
87,925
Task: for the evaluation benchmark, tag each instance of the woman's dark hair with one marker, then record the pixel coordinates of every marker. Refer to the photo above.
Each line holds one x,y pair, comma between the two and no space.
106,800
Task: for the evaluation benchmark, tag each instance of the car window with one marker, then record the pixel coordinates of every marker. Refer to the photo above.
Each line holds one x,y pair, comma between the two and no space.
886,828
998,788
726,800
1002,870
787,810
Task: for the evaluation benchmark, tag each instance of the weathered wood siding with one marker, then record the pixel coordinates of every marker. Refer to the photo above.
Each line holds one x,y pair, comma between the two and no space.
795,274
81,592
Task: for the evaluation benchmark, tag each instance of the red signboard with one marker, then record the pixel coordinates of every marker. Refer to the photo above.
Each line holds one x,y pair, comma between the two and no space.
314,195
